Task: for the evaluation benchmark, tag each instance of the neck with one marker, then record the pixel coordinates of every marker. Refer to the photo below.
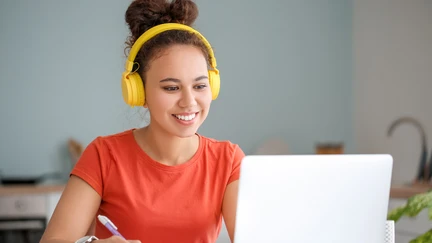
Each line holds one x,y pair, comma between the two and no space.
166,148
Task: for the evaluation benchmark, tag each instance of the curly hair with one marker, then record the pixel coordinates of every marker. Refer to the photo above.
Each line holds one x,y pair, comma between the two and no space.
142,15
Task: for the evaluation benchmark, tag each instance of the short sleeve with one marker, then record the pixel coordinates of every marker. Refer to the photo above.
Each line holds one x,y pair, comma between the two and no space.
92,165
237,158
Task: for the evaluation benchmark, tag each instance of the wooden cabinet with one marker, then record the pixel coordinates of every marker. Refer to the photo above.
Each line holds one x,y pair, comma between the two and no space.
25,211
29,201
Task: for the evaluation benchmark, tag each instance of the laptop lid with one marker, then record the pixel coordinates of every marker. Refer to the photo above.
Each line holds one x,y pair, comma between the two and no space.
313,198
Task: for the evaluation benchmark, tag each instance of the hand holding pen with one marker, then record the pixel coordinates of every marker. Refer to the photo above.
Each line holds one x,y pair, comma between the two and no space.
117,237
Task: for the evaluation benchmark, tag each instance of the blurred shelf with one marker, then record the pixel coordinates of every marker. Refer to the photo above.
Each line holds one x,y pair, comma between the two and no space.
30,189
407,191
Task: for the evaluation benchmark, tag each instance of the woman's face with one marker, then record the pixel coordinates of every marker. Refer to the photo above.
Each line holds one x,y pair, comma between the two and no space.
177,90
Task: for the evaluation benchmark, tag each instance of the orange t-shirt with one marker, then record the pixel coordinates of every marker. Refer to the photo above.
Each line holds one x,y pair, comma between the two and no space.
153,202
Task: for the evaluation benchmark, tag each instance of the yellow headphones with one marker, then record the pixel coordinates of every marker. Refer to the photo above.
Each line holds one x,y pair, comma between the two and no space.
132,85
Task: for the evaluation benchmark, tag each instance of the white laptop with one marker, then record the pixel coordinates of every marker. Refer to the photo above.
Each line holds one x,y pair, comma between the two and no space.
313,199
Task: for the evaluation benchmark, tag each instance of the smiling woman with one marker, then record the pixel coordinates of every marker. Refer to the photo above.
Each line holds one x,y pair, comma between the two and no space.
163,182
177,87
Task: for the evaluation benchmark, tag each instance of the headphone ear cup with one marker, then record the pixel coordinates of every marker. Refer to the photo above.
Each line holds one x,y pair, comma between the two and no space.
133,89
214,80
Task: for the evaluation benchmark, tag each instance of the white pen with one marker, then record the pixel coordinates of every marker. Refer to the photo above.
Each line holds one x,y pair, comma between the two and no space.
109,225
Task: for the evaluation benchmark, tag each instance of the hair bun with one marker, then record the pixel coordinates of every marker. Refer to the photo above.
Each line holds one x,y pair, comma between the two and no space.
142,15
183,11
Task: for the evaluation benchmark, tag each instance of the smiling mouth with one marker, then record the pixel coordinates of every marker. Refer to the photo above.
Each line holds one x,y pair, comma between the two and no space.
186,117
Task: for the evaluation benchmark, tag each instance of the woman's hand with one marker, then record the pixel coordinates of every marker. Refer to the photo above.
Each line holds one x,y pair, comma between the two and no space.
116,239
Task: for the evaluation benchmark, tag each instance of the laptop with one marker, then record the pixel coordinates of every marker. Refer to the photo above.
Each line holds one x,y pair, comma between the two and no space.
313,198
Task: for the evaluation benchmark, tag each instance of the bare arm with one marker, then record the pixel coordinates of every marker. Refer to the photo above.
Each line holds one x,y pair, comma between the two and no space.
74,214
229,207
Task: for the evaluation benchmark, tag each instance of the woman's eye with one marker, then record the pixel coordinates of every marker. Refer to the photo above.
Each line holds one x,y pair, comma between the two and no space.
171,88
202,86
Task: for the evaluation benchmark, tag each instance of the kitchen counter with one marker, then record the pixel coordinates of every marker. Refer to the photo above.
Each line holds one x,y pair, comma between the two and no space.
30,189
403,192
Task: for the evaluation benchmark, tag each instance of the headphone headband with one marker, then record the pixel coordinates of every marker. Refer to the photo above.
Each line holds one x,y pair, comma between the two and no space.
150,33
132,85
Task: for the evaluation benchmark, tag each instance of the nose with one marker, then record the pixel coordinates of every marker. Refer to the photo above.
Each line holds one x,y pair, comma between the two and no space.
187,98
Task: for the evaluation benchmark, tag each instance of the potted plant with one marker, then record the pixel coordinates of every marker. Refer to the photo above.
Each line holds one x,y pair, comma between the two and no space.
412,208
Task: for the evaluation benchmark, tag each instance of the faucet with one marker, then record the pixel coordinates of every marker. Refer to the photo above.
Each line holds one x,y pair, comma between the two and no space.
424,170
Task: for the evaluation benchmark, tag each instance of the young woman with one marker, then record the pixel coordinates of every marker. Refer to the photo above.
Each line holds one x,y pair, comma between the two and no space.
163,182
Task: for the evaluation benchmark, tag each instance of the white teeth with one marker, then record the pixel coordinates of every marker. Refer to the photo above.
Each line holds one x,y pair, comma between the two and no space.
186,118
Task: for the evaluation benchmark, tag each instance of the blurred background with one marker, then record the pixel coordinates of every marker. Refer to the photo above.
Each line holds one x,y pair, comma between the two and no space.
294,74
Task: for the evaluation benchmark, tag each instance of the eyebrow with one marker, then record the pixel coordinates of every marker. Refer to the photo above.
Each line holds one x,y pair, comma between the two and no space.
178,80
